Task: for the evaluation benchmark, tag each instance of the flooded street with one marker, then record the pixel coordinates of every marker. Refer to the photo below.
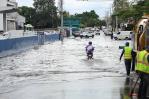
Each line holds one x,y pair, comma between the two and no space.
61,71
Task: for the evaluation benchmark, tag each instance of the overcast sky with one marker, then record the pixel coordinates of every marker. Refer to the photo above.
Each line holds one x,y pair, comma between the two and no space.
77,6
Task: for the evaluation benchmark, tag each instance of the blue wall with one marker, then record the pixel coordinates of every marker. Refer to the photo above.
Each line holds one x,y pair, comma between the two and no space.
52,37
24,42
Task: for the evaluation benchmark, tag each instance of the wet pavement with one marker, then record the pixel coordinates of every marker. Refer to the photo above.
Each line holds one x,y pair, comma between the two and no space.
61,71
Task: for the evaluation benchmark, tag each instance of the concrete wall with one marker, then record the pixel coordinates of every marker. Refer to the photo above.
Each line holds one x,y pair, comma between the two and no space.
11,25
15,45
1,22
11,18
12,3
20,20
3,3
12,0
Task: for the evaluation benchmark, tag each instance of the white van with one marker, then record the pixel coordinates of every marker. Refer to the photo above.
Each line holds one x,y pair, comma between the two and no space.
123,35
107,31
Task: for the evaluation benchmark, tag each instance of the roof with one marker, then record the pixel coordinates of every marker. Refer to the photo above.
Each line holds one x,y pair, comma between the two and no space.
7,9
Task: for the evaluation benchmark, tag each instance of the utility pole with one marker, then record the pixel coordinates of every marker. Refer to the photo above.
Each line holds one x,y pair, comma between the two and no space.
61,14
116,18
107,19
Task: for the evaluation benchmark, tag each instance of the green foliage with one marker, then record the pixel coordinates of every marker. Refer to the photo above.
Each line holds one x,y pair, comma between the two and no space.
131,11
146,6
88,19
46,13
28,12
66,14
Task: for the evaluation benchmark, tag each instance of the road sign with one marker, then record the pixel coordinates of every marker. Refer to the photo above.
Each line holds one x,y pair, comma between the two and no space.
71,22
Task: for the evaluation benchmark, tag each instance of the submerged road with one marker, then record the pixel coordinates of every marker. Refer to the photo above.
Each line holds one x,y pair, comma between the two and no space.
61,71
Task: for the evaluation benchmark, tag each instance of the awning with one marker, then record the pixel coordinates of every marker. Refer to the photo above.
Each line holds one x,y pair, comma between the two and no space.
29,25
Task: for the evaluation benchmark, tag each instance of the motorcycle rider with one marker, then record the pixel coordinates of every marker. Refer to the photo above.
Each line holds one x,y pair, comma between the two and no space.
89,49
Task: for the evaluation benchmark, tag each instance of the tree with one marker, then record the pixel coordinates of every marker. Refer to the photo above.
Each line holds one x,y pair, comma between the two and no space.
29,13
120,6
66,14
146,6
46,13
127,11
88,19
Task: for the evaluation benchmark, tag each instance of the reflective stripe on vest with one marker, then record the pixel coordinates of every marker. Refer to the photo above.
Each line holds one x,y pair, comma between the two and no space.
127,53
141,65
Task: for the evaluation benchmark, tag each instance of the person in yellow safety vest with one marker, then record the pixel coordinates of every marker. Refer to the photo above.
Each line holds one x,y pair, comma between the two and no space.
142,68
127,52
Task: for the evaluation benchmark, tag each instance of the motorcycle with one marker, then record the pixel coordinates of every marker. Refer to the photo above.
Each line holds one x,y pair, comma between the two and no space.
90,56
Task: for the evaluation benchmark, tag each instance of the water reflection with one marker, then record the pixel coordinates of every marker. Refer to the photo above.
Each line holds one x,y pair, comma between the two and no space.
126,90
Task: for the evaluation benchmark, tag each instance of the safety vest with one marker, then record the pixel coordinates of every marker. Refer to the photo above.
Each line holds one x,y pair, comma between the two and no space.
142,62
146,63
127,53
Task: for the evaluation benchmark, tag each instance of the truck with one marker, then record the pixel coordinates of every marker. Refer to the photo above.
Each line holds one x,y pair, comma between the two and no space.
141,33
124,33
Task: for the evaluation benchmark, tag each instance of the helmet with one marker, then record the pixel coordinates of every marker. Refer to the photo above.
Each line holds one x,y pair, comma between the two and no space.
90,43
127,44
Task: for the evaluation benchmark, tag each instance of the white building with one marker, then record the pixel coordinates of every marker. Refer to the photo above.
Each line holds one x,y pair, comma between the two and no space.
9,18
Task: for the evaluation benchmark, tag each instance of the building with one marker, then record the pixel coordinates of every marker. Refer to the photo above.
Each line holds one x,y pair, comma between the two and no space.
9,18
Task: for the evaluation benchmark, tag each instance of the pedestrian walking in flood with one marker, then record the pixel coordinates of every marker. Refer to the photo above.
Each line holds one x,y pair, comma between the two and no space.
127,52
112,35
61,36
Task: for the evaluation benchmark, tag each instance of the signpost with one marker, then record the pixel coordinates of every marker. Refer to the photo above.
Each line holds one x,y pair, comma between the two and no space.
71,22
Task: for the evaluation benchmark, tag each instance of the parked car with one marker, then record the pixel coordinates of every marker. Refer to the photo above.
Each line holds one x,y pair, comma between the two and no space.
122,35
97,32
107,31
87,34
76,33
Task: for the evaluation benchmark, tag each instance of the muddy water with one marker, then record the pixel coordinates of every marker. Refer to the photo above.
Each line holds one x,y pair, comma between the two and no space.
62,71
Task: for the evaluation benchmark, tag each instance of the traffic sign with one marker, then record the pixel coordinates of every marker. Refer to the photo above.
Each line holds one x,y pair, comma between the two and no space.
71,22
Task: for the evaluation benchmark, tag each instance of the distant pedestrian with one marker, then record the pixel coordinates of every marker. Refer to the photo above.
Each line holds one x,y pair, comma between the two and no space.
127,51
61,36
111,35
